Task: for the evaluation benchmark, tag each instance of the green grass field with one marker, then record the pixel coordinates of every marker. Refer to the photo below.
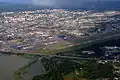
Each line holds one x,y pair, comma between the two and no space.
51,49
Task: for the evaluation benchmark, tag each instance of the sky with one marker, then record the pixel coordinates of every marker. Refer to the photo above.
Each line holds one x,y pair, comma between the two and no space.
49,2
17,1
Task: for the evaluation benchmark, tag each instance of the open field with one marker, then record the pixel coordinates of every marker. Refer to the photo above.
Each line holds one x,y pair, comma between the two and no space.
51,49
76,44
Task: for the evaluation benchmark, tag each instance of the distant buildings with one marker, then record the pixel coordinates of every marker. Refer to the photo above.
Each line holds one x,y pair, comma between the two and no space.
35,27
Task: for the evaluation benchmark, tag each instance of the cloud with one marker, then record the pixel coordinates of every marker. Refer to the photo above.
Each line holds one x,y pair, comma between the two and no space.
44,2
66,3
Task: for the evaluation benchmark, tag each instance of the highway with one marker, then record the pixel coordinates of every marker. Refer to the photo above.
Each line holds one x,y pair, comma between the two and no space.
71,57
79,58
96,39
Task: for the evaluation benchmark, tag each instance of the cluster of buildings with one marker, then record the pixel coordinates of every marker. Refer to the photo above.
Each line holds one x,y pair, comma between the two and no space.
22,31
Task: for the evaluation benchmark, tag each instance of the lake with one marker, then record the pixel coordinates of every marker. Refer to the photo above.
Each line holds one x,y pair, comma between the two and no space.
9,64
